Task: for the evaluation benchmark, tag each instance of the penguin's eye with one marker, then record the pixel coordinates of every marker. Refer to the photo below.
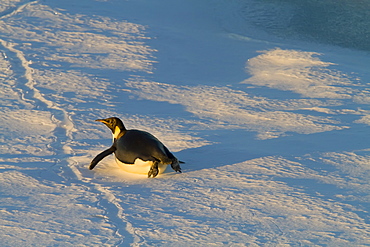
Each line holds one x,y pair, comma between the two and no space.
112,122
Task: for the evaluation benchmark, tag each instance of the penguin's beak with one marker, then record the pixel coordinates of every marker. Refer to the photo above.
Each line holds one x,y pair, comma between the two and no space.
101,120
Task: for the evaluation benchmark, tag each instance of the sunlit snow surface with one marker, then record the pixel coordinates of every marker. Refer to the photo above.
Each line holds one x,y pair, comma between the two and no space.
274,132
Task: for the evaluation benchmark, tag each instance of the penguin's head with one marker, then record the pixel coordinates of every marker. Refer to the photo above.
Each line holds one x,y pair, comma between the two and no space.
114,124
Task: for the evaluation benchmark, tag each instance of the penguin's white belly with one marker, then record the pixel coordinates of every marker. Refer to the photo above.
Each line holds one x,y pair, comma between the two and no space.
140,166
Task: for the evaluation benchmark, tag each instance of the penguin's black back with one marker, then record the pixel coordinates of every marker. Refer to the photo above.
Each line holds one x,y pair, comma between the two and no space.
140,144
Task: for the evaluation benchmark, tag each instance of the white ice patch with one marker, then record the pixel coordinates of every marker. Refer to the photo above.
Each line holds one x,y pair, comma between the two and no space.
79,40
364,119
26,122
225,108
44,212
257,201
300,72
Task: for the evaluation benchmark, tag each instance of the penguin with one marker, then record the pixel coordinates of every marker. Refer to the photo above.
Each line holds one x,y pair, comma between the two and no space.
135,146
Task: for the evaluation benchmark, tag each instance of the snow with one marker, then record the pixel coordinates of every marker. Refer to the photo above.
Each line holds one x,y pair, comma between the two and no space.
273,129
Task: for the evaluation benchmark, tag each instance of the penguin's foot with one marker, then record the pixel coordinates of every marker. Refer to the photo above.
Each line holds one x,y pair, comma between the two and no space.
176,166
153,170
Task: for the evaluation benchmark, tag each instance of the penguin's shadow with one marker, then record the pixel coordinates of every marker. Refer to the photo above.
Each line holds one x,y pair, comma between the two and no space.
225,148
236,146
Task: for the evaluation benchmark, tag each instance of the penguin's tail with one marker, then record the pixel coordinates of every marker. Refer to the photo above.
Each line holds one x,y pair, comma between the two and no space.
176,165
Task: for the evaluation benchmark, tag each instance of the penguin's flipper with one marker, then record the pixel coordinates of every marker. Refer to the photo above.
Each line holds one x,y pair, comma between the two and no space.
100,156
